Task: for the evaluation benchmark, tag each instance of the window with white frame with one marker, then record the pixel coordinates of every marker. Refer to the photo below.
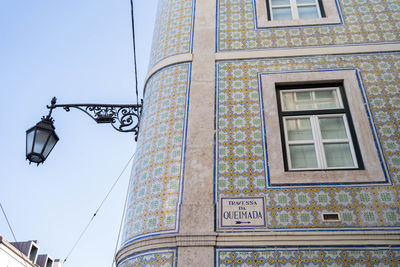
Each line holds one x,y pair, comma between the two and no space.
317,129
294,9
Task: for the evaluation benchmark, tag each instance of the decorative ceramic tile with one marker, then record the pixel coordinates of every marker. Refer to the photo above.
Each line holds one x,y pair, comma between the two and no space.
156,258
308,256
365,21
157,173
242,161
173,30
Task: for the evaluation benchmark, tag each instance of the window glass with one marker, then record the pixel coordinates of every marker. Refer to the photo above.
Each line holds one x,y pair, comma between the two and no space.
310,99
303,157
299,129
281,13
338,155
308,12
299,2
332,128
280,2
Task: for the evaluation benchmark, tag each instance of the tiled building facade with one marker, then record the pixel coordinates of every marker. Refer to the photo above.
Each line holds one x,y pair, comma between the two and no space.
247,101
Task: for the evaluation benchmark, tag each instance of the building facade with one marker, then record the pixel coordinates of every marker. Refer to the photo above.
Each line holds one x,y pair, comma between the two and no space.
24,254
269,136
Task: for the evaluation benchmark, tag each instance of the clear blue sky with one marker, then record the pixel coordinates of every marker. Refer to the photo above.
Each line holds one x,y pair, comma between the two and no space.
81,52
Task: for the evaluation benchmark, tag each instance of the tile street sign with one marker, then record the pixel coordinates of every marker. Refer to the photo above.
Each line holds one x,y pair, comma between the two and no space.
242,212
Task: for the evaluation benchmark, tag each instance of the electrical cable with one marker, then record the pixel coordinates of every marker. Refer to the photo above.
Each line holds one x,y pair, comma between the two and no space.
120,225
134,52
9,225
95,213
137,103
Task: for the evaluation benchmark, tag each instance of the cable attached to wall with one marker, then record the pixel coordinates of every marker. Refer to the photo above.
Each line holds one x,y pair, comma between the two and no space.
120,227
98,209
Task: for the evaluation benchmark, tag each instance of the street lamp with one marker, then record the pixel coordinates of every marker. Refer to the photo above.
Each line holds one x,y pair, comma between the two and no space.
41,138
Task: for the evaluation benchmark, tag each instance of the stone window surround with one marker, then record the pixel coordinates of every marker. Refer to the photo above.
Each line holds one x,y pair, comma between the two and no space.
330,7
373,171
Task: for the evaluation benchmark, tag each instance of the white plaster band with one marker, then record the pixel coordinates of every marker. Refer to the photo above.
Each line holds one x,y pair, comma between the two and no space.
312,51
172,60
246,239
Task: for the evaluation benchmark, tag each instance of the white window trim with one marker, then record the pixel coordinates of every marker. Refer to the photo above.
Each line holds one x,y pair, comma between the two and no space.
330,8
319,142
372,172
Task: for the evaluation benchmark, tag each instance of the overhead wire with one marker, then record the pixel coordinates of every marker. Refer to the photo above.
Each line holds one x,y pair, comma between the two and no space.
134,51
8,222
98,209
112,187
120,226
137,103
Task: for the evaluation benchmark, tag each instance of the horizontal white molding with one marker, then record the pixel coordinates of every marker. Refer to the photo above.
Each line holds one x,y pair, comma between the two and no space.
277,52
172,60
316,51
260,239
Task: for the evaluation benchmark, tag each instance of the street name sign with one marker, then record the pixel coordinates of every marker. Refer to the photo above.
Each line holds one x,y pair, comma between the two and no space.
242,212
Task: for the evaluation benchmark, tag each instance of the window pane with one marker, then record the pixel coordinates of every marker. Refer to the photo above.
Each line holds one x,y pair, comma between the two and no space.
326,99
310,99
332,128
281,13
308,12
297,100
303,156
299,2
280,2
299,129
301,96
338,155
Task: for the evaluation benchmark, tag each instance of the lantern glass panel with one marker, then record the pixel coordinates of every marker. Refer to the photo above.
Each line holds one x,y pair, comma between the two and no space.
29,141
52,142
40,140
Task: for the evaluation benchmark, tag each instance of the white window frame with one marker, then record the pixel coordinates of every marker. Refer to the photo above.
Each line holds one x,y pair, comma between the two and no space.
294,9
317,140
331,10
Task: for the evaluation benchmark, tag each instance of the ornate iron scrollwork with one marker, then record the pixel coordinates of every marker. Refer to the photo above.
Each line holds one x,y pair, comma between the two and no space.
123,118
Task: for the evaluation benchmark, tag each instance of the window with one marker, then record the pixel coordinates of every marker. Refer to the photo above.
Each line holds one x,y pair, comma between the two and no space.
316,129
324,109
282,13
294,9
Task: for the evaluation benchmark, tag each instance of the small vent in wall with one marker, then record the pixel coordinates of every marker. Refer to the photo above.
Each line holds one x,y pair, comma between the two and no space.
330,217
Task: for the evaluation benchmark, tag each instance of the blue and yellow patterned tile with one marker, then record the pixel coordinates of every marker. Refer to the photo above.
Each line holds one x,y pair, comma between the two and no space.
154,194
173,30
308,256
239,131
165,258
366,21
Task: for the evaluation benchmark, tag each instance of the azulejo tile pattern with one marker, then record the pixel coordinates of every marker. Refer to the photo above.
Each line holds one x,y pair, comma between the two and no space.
173,30
160,258
157,173
242,168
365,21
309,256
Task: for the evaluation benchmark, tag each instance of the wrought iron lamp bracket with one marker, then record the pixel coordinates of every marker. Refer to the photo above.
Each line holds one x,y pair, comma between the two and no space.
123,118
